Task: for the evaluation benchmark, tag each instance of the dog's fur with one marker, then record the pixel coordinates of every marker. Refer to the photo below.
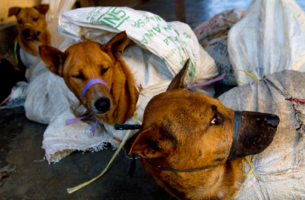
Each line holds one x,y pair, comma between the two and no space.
31,27
88,60
187,130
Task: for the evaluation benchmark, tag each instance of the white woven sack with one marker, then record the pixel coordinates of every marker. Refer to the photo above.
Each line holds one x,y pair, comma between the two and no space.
280,168
270,38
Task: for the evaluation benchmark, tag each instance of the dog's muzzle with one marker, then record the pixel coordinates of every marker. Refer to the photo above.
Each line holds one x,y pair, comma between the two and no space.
29,33
102,104
253,133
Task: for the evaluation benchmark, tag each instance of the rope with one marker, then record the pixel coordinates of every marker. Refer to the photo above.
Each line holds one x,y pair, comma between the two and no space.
15,49
249,74
251,170
73,189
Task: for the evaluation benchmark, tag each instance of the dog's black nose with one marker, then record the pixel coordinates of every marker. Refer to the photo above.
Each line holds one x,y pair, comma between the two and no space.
102,105
27,34
273,120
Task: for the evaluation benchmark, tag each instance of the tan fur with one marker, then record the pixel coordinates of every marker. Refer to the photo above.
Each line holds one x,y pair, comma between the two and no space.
214,183
88,60
188,130
35,16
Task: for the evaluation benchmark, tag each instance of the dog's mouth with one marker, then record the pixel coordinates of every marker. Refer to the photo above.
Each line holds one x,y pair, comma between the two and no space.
28,38
29,34
255,134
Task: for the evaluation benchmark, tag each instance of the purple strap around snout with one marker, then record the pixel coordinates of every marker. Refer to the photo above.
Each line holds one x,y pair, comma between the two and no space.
87,86
92,82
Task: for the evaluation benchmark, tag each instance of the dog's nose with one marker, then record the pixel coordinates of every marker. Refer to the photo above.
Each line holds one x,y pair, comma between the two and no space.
27,34
272,120
102,105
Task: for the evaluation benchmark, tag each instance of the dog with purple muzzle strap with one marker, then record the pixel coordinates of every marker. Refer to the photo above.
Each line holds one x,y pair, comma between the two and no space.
100,104
97,76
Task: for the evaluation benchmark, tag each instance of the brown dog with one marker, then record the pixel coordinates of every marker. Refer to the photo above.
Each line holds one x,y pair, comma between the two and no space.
193,146
31,27
113,101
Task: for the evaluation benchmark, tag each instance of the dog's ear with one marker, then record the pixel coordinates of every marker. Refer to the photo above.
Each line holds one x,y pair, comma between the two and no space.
42,8
13,11
177,82
52,58
116,45
151,144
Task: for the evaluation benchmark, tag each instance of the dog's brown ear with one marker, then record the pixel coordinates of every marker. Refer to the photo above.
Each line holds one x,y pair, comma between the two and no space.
150,144
42,8
116,45
13,11
177,82
52,58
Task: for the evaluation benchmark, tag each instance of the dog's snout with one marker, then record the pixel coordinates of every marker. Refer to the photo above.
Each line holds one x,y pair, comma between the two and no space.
27,34
102,105
273,120
264,119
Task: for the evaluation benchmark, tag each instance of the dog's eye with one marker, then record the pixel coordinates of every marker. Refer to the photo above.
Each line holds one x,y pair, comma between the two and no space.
216,120
20,21
35,19
79,76
104,70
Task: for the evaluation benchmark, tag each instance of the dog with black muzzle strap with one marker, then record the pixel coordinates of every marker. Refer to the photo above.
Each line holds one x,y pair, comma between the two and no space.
194,147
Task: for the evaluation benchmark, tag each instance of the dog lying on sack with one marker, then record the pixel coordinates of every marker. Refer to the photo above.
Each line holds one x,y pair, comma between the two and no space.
194,147
32,31
97,76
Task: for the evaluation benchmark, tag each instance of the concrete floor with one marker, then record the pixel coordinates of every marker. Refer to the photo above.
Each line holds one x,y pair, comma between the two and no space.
25,175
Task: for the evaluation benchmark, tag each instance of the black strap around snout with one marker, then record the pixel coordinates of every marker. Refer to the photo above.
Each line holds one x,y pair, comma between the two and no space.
181,170
237,122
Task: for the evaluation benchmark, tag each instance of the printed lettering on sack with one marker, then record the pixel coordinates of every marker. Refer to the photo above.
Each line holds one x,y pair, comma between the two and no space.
146,19
95,12
114,17
153,28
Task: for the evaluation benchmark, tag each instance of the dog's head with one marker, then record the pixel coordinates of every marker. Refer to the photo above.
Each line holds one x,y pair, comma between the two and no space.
185,131
85,62
31,21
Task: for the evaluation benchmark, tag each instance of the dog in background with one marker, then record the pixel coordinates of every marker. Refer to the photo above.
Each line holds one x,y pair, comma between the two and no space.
194,147
111,101
32,31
